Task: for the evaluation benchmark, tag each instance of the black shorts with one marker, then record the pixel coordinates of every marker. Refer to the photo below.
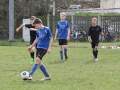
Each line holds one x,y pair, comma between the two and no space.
62,42
94,44
41,52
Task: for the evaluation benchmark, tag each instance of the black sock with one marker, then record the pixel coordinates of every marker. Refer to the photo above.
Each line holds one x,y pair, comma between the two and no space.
65,53
61,55
32,55
95,53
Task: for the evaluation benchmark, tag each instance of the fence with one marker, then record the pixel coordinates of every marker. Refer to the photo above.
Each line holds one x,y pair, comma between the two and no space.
110,26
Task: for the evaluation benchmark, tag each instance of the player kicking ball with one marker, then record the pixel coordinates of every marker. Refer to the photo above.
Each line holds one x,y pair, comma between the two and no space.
63,34
43,43
93,37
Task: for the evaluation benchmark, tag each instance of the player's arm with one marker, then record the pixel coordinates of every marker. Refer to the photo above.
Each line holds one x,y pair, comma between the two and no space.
33,29
50,45
89,36
68,28
56,32
51,41
18,29
68,36
101,32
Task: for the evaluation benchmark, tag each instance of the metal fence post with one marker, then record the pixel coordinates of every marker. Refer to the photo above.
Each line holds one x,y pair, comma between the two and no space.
11,20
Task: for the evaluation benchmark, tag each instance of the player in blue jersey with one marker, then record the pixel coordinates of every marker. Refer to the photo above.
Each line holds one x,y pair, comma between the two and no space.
43,43
63,34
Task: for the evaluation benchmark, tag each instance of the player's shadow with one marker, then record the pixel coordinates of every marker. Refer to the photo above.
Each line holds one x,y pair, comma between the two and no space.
36,81
57,62
88,62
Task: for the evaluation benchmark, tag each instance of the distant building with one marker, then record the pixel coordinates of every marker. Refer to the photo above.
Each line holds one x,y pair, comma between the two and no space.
110,4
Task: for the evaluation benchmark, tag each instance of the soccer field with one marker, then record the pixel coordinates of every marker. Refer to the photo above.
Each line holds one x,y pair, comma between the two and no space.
78,73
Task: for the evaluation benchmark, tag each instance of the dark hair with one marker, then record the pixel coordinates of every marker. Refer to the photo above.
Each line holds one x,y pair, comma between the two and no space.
37,21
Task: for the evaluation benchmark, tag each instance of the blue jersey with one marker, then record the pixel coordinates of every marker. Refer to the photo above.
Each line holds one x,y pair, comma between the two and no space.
43,35
62,27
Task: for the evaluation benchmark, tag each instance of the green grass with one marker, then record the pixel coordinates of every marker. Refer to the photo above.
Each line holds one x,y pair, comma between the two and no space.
78,73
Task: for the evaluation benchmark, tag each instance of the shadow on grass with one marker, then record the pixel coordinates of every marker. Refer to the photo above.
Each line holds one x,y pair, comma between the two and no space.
35,81
57,62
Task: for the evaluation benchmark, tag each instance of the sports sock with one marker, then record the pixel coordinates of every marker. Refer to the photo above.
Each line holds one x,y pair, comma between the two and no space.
61,54
96,53
34,69
44,71
32,55
65,53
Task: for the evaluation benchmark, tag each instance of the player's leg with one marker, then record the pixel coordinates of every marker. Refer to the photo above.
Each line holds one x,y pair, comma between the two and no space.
62,52
37,62
32,54
61,49
65,52
95,51
65,49
45,72
34,68
42,53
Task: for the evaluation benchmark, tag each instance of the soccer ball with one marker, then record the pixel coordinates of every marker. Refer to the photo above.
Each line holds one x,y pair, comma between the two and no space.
24,75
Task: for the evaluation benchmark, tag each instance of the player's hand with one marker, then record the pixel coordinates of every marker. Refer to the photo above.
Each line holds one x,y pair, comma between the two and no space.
29,49
17,30
89,39
68,38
